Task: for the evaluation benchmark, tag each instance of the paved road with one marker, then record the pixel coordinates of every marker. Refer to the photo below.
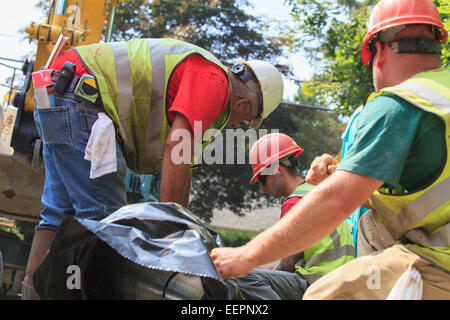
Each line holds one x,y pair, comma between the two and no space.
258,220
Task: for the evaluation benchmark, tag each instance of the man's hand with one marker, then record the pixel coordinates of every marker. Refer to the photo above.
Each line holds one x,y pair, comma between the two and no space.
231,262
321,168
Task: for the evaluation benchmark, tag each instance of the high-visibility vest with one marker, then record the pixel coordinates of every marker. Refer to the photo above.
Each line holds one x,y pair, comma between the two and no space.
329,253
133,79
420,220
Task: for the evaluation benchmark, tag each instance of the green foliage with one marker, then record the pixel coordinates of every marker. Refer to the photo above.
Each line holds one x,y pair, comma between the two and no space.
444,9
235,237
331,32
220,26
10,232
315,131
223,28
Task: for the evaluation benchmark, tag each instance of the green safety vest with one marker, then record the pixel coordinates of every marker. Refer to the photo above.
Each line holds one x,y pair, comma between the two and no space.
133,79
329,253
420,220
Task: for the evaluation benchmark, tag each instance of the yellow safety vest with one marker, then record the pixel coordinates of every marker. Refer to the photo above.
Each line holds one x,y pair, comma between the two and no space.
329,253
133,79
420,220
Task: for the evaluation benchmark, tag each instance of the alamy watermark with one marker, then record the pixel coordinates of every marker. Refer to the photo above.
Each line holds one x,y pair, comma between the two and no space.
74,279
374,279
226,147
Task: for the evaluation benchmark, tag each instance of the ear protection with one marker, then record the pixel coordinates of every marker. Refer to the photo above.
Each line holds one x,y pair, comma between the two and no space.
276,188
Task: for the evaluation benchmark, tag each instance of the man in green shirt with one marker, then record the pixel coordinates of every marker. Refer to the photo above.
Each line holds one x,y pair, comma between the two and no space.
395,136
410,127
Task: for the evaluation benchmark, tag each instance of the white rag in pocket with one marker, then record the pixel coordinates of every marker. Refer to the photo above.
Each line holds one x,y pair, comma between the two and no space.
408,287
101,147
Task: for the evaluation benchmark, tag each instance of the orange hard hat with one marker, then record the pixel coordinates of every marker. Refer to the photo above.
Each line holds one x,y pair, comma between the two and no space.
270,148
393,13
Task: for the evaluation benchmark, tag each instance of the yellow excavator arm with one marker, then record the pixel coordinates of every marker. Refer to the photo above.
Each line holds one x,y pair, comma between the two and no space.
83,21
21,167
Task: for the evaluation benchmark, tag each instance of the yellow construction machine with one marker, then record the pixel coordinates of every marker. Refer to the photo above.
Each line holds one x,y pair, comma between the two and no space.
21,167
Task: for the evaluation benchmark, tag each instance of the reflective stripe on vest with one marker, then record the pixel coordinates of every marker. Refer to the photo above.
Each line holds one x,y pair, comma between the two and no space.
332,254
423,217
340,248
125,72
301,190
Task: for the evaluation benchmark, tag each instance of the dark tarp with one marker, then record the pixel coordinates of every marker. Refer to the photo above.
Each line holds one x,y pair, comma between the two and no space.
142,251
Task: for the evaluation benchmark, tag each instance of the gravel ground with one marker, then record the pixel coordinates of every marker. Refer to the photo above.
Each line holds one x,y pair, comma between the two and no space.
258,220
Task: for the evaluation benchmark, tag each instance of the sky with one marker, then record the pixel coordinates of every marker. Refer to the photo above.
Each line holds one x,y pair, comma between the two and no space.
15,15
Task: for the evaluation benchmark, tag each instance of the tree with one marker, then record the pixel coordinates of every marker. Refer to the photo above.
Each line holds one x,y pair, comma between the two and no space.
220,26
444,9
225,29
332,32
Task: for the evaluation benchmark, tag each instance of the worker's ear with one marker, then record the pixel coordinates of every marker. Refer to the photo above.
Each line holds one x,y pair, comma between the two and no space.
280,170
241,104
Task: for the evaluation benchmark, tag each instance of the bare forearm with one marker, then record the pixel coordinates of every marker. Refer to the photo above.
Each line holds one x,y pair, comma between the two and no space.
310,220
173,183
176,171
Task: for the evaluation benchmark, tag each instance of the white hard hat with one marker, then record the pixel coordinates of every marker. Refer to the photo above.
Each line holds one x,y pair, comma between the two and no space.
272,87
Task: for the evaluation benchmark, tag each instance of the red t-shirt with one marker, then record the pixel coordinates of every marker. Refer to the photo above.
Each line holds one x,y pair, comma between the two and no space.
198,88
288,204
71,56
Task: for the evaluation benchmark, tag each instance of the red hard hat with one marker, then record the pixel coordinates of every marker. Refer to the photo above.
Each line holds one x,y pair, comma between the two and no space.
393,13
270,148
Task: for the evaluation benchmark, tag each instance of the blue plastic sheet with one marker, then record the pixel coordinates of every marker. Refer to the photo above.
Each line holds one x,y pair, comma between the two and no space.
143,251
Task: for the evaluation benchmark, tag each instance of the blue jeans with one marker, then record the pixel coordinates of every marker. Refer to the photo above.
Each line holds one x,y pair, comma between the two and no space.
68,190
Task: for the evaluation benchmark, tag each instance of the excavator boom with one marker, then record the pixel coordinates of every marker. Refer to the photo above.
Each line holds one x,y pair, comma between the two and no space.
22,170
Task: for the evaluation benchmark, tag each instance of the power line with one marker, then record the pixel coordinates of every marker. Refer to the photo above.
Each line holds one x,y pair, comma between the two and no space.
9,86
5,65
10,35
200,5
13,60
304,106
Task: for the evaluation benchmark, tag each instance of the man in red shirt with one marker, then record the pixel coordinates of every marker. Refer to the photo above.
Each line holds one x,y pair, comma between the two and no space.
145,92
198,90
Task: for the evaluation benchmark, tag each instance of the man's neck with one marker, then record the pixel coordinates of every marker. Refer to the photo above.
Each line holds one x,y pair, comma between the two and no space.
293,183
418,66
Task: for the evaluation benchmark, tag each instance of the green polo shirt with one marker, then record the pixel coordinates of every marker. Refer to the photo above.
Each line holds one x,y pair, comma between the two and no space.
397,143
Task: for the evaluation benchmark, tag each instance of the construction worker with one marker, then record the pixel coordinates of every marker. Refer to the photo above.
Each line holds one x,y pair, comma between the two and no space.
129,103
275,163
399,160
276,169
